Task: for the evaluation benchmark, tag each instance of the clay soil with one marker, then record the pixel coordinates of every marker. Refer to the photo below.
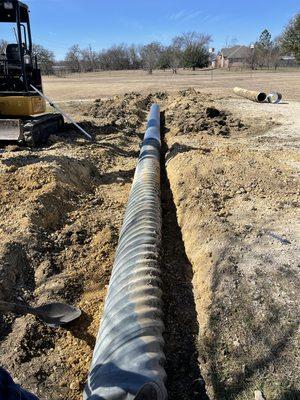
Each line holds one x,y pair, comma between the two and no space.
230,195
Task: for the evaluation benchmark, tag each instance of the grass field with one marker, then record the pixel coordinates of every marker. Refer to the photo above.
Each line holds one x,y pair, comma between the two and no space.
106,84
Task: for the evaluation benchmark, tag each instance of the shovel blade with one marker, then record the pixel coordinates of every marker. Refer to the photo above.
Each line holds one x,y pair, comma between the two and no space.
58,314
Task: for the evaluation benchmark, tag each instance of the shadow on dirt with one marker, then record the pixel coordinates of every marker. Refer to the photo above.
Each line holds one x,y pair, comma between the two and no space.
223,391
16,272
184,378
178,149
102,135
121,176
119,151
79,329
24,160
290,394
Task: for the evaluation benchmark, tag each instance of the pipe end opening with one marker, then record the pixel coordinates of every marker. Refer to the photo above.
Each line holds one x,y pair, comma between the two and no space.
261,97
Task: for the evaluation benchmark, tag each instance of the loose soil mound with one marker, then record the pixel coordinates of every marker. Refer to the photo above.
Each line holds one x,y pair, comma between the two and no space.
193,112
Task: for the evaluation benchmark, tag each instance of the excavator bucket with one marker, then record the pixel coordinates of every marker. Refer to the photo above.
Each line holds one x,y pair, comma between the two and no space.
10,130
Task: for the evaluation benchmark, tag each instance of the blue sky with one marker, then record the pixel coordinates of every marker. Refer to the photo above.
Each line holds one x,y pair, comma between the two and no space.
57,24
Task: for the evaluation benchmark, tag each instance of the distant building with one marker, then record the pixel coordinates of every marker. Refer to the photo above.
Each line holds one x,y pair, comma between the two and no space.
288,60
240,56
233,56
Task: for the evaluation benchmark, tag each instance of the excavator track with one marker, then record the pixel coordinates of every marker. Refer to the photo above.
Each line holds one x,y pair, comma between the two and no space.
30,131
37,130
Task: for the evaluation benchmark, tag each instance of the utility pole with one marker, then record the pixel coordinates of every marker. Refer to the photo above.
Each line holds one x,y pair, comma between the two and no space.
211,52
252,46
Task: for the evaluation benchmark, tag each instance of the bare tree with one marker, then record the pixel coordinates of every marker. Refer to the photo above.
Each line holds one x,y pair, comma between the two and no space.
115,58
88,59
190,39
150,55
193,47
134,57
275,55
45,59
190,46
73,58
170,57
175,57
251,57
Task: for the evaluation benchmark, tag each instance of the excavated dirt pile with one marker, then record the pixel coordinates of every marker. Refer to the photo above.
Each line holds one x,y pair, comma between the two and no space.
193,112
127,112
229,203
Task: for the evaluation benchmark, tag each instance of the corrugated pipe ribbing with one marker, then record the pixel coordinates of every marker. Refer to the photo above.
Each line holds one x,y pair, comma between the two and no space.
128,356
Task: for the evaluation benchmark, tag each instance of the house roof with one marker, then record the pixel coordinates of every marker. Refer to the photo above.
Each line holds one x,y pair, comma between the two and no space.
288,57
236,52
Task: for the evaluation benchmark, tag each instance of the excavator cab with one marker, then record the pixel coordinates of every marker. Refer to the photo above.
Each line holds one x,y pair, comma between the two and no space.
21,107
18,66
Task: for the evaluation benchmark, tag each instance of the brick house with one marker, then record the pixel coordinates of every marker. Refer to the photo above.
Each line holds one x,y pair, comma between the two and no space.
233,56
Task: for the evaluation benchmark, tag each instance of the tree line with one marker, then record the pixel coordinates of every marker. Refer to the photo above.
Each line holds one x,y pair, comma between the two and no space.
266,52
189,50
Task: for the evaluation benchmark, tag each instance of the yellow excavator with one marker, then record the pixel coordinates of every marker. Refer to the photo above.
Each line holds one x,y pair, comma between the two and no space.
22,104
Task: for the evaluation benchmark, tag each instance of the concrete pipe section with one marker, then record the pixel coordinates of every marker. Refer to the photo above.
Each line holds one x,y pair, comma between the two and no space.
259,97
128,356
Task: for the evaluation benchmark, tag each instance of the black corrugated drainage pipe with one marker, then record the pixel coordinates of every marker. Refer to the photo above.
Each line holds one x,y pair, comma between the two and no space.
128,356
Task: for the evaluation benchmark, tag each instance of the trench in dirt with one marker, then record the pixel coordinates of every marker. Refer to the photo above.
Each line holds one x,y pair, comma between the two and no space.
184,380
83,188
